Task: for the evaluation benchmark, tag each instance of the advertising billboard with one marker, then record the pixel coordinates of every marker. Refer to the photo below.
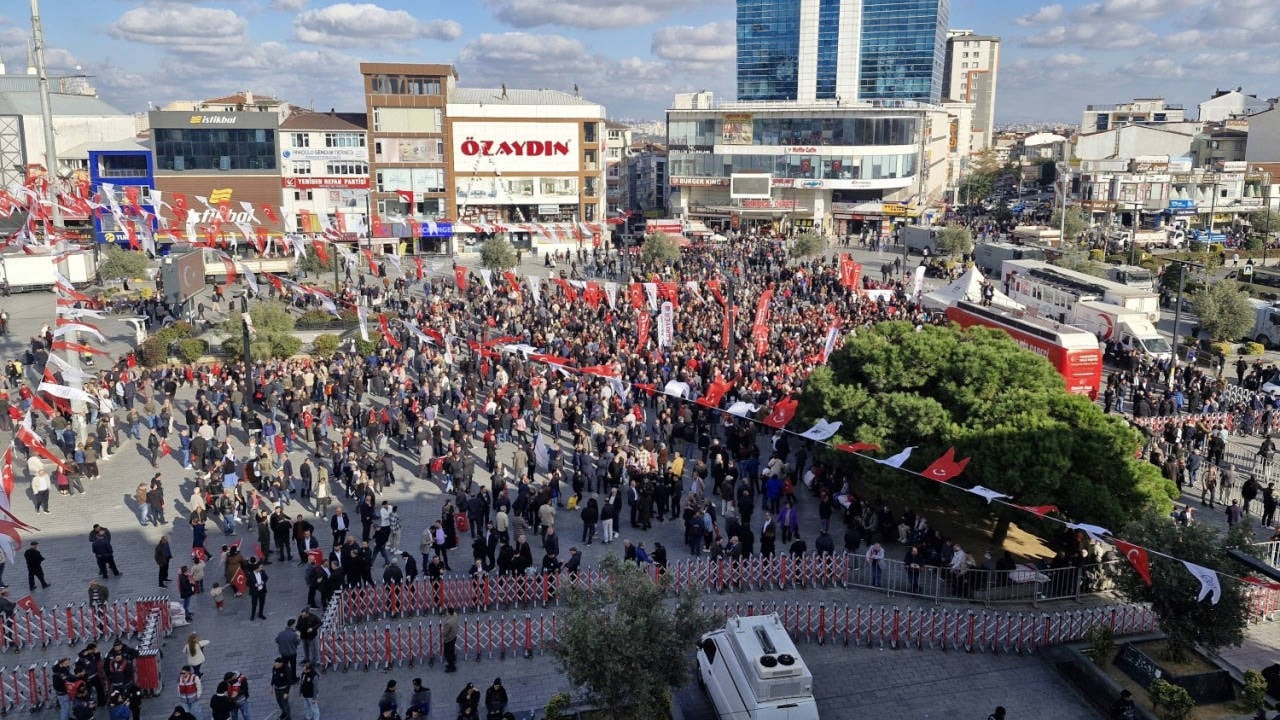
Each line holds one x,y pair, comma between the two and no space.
516,147
736,129
750,186
411,150
183,274
327,154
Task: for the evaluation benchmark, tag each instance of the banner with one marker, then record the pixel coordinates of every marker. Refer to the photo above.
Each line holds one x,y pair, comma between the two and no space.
642,330
666,325
363,316
833,336
760,328
725,329
850,272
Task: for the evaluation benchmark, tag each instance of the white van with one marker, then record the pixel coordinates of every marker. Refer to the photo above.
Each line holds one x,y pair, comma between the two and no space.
752,671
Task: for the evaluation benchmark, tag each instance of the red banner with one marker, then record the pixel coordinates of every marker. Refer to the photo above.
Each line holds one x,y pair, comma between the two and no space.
460,275
850,272
643,321
760,328
724,331
386,331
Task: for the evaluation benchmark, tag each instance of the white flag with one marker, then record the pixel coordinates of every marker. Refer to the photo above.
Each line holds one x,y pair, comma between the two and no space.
1210,585
394,261
66,393
75,312
78,327
822,430
611,293
651,291
833,335
535,288
987,493
541,455
1097,532
363,316
743,409
487,276
917,281
70,374
677,388
249,278
897,460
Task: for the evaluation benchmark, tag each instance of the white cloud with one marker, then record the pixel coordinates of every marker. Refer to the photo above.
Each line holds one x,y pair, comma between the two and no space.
288,5
1154,66
173,24
592,14
525,60
351,24
710,43
1046,14
1066,60
1135,9
1102,35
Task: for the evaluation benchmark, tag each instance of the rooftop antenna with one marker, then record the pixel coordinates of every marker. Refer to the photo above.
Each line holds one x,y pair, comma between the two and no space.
504,91
576,93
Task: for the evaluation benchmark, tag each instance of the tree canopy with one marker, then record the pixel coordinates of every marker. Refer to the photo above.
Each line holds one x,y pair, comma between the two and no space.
1002,406
660,249
624,644
1223,310
497,254
119,264
955,240
1173,591
1072,227
807,244
273,328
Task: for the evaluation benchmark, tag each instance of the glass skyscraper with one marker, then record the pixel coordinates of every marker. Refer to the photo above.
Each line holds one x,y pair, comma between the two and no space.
904,46
851,49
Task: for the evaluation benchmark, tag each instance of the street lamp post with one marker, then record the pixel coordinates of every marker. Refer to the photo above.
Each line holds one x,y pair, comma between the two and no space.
1177,308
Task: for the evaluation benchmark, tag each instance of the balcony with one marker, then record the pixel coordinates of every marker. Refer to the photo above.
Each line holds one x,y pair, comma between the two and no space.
122,173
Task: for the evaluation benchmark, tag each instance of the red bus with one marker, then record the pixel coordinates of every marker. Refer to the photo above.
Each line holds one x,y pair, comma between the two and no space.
1072,351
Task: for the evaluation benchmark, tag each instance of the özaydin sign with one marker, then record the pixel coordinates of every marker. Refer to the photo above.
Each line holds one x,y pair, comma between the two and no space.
487,147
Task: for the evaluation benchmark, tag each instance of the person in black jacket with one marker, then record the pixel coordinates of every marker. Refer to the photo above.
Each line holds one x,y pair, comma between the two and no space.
495,699
35,565
281,680
221,706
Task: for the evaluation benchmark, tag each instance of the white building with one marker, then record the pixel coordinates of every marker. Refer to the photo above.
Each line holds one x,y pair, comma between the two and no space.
80,119
1229,104
648,189
1264,136
324,172
1130,141
1141,110
617,146
969,75
1043,146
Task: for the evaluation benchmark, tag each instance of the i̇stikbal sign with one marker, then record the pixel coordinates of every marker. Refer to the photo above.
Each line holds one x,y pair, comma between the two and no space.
488,147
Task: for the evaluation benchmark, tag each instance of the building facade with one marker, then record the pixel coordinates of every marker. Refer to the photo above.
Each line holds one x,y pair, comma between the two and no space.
127,169
617,147
970,72
648,189
324,173
847,50
1098,118
826,166
527,163
407,154
225,165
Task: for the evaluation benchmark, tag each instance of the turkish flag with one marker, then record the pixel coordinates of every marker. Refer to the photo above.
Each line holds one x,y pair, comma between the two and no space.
179,207
514,281
6,473
239,581
378,229
715,391
386,331
26,602
643,320
164,449
1040,510
1137,557
714,287
460,275
782,413
39,403
670,291
315,556
857,447
406,197
636,292
270,212
320,251
945,467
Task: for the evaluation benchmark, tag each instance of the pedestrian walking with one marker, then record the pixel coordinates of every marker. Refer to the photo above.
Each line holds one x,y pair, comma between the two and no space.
193,653
163,556
287,642
449,638
35,566
281,682
189,689
309,689
257,579
104,553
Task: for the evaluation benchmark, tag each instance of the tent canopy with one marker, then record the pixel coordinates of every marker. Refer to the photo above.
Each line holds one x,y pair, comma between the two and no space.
966,287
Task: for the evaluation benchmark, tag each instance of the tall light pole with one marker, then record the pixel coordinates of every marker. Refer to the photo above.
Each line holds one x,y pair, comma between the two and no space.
1177,308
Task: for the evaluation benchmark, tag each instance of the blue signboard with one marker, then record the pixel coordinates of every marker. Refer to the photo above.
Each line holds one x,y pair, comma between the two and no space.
439,229
1182,204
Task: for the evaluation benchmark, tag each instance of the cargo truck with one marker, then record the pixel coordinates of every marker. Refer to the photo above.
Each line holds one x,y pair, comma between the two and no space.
22,272
1129,329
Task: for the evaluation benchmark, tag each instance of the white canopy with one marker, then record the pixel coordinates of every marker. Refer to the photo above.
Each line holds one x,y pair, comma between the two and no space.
966,287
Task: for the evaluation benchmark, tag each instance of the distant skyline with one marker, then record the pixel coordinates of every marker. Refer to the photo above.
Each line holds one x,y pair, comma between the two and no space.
629,56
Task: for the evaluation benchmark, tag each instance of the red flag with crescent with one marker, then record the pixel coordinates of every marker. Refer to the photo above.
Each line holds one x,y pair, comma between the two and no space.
270,212
460,275
6,474
636,292
386,331
1137,557
26,602
857,447
716,390
945,467
782,413
320,251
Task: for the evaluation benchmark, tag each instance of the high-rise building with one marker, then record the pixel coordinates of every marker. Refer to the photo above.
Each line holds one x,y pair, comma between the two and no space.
807,50
903,48
972,66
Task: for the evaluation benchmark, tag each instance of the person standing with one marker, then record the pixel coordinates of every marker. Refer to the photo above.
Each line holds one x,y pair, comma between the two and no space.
163,556
309,689
221,705
449,637
189,689
104,553
287,642
40,490
35,565
257,579
281,681
495,699
308,627
193,652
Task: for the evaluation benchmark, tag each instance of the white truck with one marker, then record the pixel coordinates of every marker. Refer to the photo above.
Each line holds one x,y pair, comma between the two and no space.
1132,275
752,671
22,272
215,269
1131,329
1266,323
919,238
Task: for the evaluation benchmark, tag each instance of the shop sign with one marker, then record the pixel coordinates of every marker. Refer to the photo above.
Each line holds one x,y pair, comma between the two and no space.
699,181
307,182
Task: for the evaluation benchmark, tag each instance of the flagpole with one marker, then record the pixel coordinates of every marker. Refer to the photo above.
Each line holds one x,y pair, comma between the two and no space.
78,407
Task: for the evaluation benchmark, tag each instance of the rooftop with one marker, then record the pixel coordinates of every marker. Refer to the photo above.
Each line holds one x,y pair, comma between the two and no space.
506,96
308,120
17,99
244,97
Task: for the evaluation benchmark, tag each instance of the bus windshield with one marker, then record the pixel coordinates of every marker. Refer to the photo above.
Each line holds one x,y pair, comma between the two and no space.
1156,345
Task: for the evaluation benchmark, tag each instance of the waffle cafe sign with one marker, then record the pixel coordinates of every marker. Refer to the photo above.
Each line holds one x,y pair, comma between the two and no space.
490,147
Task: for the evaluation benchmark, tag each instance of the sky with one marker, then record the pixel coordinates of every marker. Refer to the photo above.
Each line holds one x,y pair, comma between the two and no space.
629,55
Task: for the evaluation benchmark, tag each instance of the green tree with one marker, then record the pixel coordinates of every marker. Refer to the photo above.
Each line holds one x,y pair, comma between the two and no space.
497,254
272,325
807,244
1223,309
955,240
1002,406
624,644
1265,221
660,249
1075,223
119,264
312,264
1173,591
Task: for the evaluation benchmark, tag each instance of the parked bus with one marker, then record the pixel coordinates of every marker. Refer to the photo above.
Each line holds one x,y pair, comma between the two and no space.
1073,352
1053,291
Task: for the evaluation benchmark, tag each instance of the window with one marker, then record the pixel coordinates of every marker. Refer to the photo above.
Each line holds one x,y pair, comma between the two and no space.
407,120
346,168
344,139
215,149
592,132
301,194
404,85
302,167
300,140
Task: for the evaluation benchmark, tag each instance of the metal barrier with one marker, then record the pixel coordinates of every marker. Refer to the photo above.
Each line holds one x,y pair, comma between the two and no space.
1025,584
147,665
985,630
73,624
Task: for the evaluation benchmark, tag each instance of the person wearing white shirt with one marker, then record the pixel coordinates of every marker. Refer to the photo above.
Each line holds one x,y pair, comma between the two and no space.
874,557
40,490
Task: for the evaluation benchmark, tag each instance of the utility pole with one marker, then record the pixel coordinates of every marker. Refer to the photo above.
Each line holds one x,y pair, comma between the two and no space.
1177,308
79,410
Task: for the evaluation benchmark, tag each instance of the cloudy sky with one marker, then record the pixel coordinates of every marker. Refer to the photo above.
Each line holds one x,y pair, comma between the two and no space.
629,55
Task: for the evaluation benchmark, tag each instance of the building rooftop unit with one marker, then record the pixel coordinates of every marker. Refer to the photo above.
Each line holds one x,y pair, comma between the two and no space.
514,96
1065,282
307,120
